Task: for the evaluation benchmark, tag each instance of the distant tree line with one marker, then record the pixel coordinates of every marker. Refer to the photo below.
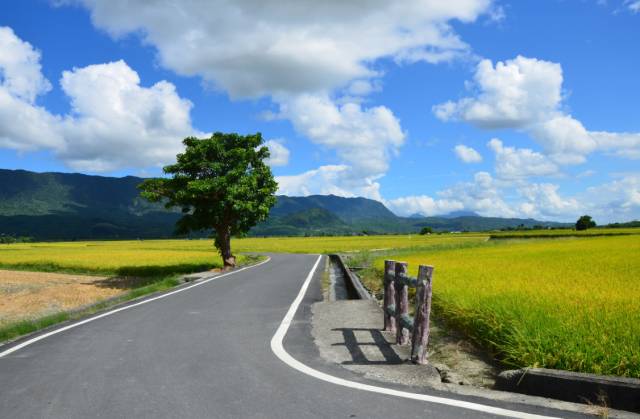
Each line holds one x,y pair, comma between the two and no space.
6,239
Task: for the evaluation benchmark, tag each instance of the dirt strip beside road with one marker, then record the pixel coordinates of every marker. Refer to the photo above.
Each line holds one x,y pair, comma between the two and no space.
28,295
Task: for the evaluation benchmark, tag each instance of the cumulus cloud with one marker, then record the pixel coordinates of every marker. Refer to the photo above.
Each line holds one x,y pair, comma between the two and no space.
542,200
20,70
518,163
483,195
617,200
364,138
252,48
337,180
316,60
279,153
114,122
526,94
423,204
511,94
467,154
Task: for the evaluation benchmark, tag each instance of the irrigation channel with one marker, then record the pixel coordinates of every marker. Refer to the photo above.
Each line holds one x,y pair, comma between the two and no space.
343,284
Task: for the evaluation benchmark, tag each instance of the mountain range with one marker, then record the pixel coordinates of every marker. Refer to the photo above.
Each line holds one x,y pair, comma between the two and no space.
64,206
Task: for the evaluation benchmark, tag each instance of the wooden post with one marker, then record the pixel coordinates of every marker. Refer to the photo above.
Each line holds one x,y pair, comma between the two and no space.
420,337
389,295
402,302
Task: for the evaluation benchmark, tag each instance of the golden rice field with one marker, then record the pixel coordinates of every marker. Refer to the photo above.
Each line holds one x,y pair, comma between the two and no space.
342,244
139,267
592,232
151,257
142,258
570,304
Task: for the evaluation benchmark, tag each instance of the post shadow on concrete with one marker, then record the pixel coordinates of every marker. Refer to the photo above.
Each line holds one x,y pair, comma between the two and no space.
358,356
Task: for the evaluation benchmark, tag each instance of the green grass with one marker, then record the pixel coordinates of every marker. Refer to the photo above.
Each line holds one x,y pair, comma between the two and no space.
569,304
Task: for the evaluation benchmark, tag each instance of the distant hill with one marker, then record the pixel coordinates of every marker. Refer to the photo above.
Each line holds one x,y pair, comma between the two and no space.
62,206
456,214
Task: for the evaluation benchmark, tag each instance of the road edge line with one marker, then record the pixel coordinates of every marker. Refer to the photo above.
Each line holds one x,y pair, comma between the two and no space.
119,309
277,348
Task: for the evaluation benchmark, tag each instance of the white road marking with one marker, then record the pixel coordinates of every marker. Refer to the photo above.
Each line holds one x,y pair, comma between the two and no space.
109,313
278,349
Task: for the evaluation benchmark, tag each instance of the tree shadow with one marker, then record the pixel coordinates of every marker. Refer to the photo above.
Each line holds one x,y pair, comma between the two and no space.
358,356
130,277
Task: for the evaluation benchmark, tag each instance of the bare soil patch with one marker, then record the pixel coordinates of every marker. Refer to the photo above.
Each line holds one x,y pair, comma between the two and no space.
30,295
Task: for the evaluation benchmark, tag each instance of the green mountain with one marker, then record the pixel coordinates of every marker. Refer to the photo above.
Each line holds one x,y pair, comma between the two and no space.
62,206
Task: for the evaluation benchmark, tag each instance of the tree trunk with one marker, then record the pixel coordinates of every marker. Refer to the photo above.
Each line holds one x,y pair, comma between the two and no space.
223,243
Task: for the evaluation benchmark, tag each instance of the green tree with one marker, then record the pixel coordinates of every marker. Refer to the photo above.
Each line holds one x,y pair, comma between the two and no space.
426,230
220,183
585,222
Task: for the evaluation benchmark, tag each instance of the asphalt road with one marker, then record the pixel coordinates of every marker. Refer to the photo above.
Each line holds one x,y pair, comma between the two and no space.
206,352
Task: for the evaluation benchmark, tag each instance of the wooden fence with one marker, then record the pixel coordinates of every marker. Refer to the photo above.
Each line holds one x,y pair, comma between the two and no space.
396,306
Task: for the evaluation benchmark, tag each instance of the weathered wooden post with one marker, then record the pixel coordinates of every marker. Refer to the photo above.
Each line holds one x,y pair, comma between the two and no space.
420,337
389,300
402,302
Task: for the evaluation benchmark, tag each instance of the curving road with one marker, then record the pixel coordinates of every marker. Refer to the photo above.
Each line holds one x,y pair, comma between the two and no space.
236,346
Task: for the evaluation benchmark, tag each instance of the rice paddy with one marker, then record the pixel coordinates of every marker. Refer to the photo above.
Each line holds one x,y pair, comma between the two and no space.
571,304
568,303
152,257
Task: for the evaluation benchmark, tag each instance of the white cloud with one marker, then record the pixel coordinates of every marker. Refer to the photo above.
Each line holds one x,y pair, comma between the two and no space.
483,195
423,204
618,200
365,139
564,138
544,201
330,179
519,163
251,48
117,123
20,73
467,154
300,53
624,144
114,121
633,5
526,94
279,153
512,94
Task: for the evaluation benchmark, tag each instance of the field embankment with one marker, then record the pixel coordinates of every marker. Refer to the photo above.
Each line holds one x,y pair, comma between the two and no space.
568,304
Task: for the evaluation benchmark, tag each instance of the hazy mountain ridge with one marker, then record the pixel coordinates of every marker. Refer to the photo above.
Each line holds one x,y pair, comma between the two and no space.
62,206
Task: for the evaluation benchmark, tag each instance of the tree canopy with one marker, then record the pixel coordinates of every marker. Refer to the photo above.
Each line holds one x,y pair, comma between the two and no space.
220,183
585,222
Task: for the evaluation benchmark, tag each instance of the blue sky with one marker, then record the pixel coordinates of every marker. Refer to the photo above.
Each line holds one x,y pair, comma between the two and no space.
516,109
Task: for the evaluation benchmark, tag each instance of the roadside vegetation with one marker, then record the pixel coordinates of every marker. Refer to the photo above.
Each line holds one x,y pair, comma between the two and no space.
567,304
560,301
116,271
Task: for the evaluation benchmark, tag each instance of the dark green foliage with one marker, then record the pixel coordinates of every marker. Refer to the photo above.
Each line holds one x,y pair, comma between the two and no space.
426,230
11,239
630,224
220,183
585,222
